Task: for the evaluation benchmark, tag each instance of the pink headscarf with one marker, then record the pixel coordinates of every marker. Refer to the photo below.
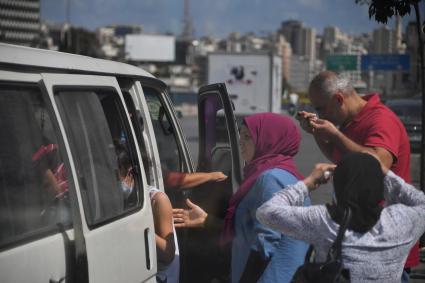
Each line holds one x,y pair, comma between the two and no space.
277,140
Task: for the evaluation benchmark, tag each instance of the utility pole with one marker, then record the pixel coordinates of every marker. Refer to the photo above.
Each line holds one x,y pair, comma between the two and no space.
422,81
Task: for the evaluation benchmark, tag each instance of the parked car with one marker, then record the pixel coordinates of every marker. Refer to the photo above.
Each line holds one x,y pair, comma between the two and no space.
409,112
63,216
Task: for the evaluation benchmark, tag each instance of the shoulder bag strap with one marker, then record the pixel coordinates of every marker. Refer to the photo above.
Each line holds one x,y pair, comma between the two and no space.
335,250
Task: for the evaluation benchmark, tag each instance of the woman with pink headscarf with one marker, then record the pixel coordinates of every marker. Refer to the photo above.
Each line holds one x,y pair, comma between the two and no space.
268,144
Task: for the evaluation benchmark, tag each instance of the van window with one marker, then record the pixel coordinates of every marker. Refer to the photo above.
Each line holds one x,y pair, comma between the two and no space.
138,126
164,132
103,149
33,177
216,155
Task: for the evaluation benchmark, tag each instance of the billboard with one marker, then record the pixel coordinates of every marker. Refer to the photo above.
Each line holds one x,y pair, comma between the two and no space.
150,48
339,63
386,62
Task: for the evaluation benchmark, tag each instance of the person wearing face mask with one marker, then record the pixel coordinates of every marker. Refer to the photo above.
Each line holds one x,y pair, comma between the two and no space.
268,144
166,245
379,235
126,180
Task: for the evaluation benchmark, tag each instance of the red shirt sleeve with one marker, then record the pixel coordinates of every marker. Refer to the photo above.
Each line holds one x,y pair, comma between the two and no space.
173,179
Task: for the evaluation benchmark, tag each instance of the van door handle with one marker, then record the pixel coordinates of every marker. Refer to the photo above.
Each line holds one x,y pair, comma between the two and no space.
57,281
147,248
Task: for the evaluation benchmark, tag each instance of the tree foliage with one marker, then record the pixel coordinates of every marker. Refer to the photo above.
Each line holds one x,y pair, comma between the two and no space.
383,10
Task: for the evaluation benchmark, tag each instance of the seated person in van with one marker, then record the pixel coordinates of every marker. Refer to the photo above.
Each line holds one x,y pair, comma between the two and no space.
55,180
125,174
168,262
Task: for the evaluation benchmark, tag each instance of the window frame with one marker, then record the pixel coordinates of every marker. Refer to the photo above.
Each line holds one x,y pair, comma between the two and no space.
73,82
162,94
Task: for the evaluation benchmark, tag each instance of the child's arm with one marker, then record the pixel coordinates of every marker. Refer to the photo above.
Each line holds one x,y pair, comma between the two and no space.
163,218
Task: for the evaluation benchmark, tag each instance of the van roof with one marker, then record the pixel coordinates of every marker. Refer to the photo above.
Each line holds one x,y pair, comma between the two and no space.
42,58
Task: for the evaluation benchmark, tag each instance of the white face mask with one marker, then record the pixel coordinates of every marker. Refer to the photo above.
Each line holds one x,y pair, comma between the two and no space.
126,189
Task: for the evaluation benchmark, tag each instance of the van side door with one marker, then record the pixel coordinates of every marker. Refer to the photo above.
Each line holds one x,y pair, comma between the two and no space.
116,212
205,258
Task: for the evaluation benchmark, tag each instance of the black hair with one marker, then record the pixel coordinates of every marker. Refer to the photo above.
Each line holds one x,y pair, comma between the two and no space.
359,184
124,161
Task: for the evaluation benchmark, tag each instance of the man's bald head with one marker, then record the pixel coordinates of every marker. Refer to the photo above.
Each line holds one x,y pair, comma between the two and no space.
330,94
329,83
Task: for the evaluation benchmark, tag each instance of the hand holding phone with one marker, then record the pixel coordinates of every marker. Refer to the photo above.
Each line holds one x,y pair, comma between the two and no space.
305,119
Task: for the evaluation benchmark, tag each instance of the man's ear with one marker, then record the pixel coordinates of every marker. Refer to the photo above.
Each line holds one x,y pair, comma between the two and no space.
339,98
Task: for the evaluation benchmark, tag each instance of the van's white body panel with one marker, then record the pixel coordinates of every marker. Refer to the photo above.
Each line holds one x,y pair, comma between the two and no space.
116,251
47,59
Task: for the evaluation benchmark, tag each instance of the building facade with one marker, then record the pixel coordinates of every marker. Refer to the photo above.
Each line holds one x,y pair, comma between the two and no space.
301,38
20,22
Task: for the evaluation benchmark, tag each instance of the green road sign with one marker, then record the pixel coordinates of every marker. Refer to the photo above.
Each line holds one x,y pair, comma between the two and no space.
341,63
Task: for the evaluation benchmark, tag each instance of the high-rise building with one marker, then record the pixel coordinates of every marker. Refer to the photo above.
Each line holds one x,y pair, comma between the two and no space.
331,35
309,43
398,36
284,50
301,38
301,72
383,40
20,22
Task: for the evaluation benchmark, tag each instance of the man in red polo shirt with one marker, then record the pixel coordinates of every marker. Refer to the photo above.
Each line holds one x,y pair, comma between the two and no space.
348,122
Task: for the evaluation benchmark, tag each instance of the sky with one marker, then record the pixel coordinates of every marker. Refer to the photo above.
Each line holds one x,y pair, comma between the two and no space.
212,17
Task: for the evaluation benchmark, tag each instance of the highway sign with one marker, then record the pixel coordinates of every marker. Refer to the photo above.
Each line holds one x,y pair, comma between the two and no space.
385,62
341,63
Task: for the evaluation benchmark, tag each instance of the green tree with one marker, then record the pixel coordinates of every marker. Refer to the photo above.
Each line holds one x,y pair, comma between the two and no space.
382,10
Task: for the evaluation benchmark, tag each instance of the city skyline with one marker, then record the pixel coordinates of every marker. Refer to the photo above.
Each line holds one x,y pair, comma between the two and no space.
214,18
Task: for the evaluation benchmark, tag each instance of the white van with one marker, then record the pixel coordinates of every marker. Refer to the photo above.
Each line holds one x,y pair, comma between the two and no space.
63,217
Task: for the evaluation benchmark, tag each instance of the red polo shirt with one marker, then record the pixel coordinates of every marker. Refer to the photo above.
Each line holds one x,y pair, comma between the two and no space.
377,126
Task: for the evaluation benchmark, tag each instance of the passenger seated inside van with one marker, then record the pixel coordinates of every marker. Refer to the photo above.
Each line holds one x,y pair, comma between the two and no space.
28,186
125,175
54,182
55,179
168,262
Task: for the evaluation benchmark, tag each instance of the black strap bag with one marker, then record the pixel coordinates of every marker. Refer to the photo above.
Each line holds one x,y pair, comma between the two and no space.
331,270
